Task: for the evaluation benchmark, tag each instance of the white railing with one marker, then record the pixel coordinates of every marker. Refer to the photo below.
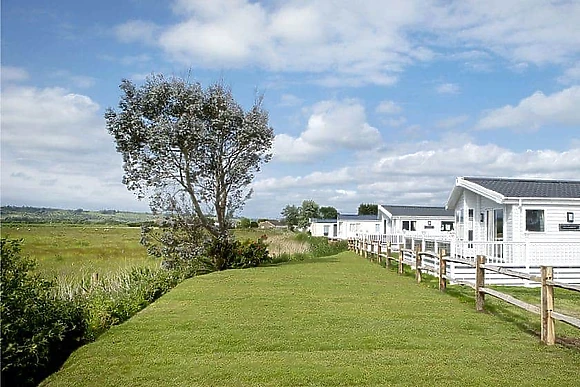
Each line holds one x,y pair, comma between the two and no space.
526,254
521,253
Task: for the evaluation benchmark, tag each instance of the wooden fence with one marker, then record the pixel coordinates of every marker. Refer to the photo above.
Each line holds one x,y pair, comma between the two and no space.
436,264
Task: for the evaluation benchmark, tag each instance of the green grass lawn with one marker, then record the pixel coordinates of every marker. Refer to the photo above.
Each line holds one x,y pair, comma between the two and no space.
337,320
72,251
565,301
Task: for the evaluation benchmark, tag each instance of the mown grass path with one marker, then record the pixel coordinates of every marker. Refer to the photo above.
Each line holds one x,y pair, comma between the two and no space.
332,321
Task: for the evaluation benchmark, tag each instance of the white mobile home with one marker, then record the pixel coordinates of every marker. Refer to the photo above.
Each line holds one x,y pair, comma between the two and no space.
351,226
530,222
324,227
415,219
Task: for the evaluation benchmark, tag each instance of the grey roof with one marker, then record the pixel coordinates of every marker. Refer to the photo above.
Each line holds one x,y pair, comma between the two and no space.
520,188
417,211
316,220
357,217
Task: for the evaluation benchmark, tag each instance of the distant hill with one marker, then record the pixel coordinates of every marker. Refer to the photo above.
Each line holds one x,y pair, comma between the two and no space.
13,214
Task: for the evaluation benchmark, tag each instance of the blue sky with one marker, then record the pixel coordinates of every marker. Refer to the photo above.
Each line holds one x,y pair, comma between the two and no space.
375,101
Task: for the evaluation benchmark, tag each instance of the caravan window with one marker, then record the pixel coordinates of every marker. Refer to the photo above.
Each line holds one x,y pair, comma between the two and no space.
534,220
459,216
446,226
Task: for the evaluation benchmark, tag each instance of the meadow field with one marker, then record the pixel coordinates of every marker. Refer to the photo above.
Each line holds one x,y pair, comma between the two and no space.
337,320
73,251
77,251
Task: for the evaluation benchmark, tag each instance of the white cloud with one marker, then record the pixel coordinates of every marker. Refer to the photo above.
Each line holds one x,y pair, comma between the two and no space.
451,122
289,149
395,122
13,74
57,139
48,118
353,44
290,100
519,30
418,173
571,74
137,31
388,107
80,81
448,88
324,38
332,125
535,111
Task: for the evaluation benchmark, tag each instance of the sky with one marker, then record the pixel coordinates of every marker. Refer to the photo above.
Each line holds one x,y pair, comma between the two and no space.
371,101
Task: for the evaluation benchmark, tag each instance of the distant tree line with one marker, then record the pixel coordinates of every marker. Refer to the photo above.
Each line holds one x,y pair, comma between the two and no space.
299,216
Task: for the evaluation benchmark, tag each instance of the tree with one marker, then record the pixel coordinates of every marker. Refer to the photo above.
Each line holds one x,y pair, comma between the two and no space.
192,151
244,223
328,212
368,209
309,210
291,215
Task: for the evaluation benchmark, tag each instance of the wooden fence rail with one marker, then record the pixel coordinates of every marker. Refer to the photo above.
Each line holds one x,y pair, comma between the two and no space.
416,259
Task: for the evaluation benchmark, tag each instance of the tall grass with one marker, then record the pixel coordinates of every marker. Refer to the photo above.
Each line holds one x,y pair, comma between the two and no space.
75,251
287,243
300,246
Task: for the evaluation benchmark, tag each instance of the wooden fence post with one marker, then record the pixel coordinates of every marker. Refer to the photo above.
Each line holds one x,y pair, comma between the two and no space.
387,260
548,331
479,283
401,259
379,252
442,271
366,249
418,263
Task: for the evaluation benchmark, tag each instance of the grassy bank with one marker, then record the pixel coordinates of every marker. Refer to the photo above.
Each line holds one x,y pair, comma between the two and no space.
328,321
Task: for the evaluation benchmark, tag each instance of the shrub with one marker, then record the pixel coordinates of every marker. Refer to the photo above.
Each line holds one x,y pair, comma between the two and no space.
251,253
179,243
39,330
226,253
322,247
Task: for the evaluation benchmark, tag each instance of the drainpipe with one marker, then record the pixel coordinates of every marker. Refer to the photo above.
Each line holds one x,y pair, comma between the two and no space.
522,220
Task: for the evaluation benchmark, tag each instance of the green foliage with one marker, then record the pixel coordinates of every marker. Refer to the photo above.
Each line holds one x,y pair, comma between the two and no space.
233,254
322,247
309,210
252,253
39,330
300,216
328,212
179,243
186,147
244,223
368,209
114,300
291,215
